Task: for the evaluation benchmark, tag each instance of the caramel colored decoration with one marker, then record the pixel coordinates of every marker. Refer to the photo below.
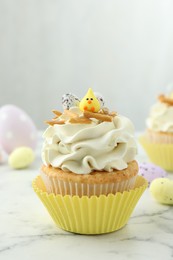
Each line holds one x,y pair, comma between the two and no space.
56,112
54,122
167,100
80,120
99,116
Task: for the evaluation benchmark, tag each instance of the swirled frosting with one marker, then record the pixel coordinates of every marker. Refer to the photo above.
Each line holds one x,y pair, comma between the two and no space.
83,148
160,118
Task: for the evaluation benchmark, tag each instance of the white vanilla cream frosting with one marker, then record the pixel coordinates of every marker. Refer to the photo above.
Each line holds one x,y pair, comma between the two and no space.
83,148
160,118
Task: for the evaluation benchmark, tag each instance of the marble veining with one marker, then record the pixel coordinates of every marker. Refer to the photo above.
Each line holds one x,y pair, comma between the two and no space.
27,231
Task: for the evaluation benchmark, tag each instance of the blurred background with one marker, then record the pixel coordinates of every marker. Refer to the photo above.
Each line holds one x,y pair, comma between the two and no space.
122,49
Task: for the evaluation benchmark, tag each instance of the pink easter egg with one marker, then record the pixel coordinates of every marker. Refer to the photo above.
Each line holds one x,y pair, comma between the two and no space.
16,129
151,171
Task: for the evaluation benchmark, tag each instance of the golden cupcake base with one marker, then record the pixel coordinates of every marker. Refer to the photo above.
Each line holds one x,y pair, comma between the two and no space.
96,183
91,215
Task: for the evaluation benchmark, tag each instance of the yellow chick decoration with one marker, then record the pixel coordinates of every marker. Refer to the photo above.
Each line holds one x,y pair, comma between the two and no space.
89,102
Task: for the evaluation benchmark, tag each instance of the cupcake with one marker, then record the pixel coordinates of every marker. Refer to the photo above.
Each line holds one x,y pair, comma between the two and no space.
89,167
88,151
158,137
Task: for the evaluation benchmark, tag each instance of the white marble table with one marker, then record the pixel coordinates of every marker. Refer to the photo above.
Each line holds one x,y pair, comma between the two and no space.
27,231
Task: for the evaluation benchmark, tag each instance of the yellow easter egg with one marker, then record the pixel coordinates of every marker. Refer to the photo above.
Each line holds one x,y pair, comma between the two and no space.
89,102
21,158
162,190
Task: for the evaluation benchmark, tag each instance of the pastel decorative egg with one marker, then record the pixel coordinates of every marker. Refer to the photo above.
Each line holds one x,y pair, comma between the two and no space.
151,171
21,158
70,100
16,129
100,99
162,190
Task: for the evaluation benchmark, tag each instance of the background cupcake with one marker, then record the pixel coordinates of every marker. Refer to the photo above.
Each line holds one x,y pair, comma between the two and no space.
158,138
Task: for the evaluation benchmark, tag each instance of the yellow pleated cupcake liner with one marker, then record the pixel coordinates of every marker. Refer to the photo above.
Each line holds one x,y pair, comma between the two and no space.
94,215
160,154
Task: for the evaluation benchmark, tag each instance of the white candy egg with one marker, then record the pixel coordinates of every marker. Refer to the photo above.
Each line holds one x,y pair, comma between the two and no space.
21,158
16,129
69,100
100,99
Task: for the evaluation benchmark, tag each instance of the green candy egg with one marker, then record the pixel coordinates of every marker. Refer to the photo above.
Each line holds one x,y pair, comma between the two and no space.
162,190
21,158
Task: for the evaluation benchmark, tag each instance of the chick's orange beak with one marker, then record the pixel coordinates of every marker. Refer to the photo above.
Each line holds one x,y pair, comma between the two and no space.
89,101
